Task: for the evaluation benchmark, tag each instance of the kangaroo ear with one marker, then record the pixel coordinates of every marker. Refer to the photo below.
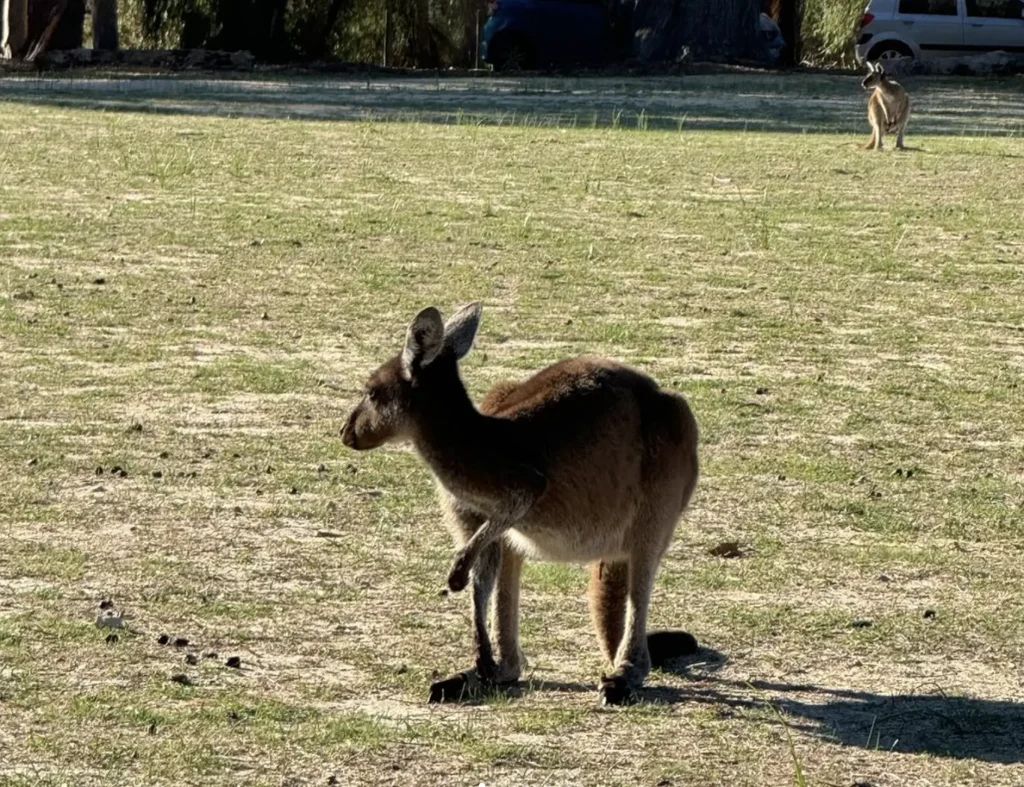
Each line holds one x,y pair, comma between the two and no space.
879,69
460,330
423,341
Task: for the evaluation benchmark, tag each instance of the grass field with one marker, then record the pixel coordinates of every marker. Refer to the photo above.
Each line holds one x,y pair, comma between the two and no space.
189,304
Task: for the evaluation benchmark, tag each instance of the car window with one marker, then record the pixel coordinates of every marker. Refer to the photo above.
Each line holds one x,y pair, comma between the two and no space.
936,7
996,9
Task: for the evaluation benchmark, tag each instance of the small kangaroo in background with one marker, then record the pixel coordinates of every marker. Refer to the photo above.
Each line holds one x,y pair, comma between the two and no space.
888,107
587,461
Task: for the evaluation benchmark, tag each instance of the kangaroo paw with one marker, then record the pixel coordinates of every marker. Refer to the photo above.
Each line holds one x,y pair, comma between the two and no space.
458,577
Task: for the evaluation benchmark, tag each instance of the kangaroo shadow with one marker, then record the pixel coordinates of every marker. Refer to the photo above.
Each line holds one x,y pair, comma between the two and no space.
926,721
929,721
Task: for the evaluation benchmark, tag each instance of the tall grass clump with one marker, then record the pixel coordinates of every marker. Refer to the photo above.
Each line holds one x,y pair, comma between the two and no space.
830,30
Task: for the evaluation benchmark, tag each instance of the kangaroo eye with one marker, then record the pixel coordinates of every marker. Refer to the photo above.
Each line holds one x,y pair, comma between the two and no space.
374,395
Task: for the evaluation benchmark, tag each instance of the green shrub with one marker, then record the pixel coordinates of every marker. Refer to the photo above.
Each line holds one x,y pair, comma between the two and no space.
830,30
356,35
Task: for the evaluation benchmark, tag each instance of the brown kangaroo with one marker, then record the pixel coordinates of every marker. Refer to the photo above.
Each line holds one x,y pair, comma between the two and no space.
888,107
587,461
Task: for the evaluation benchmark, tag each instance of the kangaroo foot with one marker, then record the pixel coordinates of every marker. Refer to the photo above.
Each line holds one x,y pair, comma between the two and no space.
466,686
461,687
615,690
485,678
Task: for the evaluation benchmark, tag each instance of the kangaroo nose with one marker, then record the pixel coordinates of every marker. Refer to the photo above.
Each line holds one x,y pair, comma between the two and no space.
348,432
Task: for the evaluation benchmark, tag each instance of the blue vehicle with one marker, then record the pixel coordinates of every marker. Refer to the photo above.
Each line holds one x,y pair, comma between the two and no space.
525,34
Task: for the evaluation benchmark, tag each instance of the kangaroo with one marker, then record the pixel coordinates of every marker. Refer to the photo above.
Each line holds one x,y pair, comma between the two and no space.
587,461
888,107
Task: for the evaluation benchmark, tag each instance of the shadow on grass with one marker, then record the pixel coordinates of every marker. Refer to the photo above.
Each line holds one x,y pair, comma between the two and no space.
818,104
929,721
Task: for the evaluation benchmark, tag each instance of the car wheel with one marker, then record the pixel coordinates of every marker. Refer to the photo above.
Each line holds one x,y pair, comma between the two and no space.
513,53
889,50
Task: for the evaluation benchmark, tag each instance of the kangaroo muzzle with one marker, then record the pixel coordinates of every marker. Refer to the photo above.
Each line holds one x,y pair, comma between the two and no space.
348,431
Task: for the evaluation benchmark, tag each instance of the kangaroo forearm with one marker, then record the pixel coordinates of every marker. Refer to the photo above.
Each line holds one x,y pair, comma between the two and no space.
489,532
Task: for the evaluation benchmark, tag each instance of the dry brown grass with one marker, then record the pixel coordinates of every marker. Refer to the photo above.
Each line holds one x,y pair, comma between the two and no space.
875,298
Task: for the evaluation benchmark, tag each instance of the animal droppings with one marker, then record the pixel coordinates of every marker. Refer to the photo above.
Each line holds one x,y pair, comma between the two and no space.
727,549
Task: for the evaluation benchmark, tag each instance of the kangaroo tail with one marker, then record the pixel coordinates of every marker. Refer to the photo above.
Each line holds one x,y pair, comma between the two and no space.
667,645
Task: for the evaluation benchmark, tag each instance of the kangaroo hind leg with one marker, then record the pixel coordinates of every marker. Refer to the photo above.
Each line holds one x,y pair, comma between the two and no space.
511,661
609,589
632,661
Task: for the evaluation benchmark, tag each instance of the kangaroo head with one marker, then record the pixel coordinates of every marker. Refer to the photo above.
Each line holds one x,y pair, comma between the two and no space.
875,77
424,371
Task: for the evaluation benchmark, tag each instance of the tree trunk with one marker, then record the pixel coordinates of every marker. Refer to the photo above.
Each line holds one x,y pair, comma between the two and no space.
419,43
789,14
5,12
13,28
671,30
70,32
253,25
473,12
51,25
104,25
333,15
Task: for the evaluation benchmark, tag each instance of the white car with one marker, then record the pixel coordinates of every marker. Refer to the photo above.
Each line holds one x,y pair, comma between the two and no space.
936,28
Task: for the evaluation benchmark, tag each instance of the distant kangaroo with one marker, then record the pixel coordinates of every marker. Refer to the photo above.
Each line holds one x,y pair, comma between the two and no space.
587,461
888,107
